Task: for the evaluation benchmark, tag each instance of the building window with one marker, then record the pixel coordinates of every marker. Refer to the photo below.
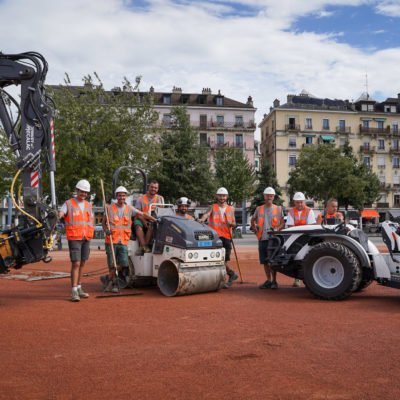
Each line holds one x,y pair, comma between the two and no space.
370,107
292,123
167,119
342,141
383,198
363,107
365,124
219,101
220,120
380,124
395,128
308,124
203,139
396,200
256,163
239,141
292,141
167,99
238,120
308,139
220,139
325,123
396,162
381,162
396,180
342,125
203,121
381,144
367,160
395,144
292,160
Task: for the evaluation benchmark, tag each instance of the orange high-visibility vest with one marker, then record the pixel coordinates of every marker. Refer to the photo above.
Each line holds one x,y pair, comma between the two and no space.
120,227
215,221
336,215
302,219
78,224
276,212
144,202
186,215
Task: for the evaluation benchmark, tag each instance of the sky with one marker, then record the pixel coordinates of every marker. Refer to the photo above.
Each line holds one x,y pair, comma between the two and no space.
260,48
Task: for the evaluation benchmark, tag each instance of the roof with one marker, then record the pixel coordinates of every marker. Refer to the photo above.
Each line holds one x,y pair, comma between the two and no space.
365,97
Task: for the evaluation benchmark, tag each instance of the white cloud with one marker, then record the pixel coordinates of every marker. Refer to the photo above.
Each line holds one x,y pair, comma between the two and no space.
390,8
191,46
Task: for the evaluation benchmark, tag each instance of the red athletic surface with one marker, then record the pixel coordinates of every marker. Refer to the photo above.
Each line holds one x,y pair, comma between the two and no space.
241,343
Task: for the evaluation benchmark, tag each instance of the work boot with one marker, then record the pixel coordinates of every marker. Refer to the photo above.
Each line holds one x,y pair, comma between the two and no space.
105,281
147,249
265,285
75,296
82,294
115,288
140,251
232,277
274,285
296,283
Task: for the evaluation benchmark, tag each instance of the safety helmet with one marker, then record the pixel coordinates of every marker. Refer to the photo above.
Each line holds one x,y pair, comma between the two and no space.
83,185
222,190
120,189
299,196
183,201
269,190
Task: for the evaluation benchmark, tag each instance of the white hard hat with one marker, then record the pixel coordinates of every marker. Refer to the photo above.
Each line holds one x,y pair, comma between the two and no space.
222,190
269,190
120,189
83,185
299,196
183,201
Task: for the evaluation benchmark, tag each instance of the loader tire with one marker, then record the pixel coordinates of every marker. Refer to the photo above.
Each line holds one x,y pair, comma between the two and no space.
331,271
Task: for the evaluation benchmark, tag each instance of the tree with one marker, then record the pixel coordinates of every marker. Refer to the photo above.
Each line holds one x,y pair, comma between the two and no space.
325,171
184,168
234,171
7,165
97,131
266,177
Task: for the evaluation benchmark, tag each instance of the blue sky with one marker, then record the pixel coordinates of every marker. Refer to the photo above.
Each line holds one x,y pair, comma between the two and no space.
263,48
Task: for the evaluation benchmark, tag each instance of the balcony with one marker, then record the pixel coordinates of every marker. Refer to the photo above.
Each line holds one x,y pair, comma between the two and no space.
394,150
374,130
381,166
367,149
343,129
382,205
212,144
309,145
292,127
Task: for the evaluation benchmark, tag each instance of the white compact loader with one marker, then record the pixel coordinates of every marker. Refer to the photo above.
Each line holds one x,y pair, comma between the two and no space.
335,260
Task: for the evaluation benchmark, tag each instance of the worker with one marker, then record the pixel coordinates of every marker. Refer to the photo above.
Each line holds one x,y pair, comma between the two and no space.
332,216
266,218
299,215
221,218
119,232
183,204
79,224
142,228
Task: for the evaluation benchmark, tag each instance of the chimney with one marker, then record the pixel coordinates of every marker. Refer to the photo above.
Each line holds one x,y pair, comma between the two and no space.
207,91
276,103
176,90
151,90
290,97
250,101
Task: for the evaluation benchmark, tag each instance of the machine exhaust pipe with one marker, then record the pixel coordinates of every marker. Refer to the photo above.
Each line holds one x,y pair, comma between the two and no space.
174,280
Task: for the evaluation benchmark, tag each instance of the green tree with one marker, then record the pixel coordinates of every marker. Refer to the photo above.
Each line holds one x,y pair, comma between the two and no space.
7,165
266,177
97,131
325,171
184,168
234,171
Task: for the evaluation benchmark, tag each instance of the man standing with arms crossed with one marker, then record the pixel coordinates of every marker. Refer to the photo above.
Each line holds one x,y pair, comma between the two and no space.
267,217
221,218
120,217
142,228
79,226
299,215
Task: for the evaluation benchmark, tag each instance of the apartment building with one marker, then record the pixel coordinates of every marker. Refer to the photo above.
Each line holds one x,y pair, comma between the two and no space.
220,121
371,127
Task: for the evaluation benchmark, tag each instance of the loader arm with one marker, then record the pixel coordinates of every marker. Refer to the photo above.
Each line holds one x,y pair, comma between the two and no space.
31,138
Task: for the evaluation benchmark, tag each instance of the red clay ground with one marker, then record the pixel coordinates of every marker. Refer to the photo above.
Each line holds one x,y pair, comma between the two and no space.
241,343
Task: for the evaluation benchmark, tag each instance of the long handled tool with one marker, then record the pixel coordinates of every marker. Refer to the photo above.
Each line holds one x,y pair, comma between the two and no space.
237,259
112,251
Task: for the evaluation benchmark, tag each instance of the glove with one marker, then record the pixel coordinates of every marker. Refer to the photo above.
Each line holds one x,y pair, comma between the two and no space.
108,233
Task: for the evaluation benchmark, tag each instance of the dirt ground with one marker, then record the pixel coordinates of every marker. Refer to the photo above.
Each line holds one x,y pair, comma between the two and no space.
241,343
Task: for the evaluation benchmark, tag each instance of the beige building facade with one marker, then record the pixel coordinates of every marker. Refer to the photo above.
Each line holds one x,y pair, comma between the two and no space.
372,129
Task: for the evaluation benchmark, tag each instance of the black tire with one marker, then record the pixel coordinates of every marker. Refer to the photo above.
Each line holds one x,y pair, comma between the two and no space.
331,271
